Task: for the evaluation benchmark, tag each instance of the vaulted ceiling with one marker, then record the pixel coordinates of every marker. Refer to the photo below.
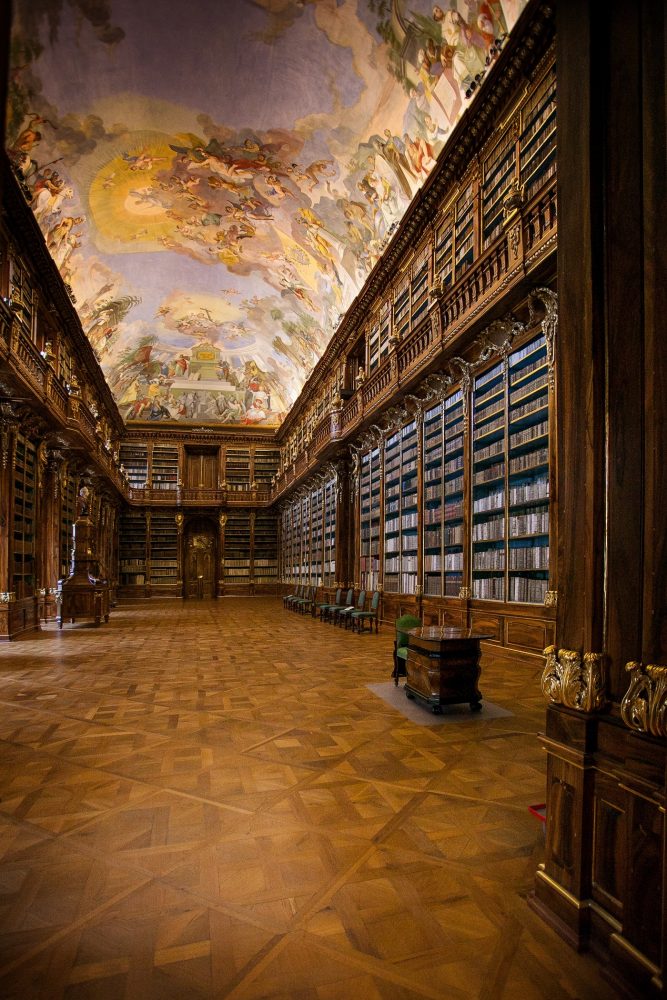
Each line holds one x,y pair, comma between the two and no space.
216,180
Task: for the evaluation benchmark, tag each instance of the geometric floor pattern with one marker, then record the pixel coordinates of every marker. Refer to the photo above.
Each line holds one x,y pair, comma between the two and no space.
203,799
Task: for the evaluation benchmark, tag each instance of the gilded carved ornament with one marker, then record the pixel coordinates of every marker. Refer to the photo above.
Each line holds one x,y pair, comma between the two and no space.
549,302
574,681
644,705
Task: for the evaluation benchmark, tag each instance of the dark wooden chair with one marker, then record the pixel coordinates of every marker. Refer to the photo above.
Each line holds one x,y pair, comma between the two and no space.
322,608
335,608
344,616
291,598
359,617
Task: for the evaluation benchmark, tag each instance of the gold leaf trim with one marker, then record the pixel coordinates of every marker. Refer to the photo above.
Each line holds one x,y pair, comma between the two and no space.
574,681
644,705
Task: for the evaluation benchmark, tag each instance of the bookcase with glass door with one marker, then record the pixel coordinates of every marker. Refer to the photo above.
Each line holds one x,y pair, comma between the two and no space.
476,506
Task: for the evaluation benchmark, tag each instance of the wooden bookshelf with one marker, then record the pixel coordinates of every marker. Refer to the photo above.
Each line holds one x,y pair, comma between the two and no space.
265,466
164,467
464,231
538,135
132,553
443,497
370,513
134,458
237,468
164,569
238,549
401,516
67,518
24,515
329,565
265,552
498,173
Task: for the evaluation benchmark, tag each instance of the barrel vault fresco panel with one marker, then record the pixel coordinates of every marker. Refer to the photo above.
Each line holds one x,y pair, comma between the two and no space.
216,181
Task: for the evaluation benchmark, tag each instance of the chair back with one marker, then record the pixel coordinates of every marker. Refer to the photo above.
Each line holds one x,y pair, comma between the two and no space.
361,600
375,602
350,597
338,593
403,625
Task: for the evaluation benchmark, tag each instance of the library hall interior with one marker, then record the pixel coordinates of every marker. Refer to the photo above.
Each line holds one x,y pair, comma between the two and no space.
333,478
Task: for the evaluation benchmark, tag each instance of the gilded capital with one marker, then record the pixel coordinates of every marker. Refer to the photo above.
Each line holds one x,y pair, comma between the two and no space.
574,681
644,705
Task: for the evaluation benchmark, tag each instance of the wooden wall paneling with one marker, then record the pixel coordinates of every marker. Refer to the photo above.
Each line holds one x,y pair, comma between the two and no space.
491,624
534,634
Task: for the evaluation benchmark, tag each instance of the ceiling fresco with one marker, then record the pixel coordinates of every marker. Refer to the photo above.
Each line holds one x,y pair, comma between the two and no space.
215,181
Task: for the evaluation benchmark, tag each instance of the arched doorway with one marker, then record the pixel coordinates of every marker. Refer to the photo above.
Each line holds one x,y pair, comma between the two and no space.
200,558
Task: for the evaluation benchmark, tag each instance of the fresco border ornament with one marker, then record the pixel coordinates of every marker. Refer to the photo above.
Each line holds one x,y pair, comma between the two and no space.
644,704
575,681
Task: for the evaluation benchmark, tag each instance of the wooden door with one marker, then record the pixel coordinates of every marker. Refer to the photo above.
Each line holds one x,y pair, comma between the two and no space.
201,470
200,548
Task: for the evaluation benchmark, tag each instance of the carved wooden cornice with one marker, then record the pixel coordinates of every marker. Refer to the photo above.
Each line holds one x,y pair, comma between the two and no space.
200,435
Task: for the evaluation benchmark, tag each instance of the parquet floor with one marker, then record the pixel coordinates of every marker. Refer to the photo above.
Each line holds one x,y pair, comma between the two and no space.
205,800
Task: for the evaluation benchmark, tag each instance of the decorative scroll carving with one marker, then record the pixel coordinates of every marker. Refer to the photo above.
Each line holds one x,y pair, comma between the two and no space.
461,372
464,593
9,424
573,681
644,705
551,599
549,302
498,338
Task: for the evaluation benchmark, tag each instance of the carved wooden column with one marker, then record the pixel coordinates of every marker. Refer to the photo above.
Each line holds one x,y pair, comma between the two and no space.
602,884
347,502
50,547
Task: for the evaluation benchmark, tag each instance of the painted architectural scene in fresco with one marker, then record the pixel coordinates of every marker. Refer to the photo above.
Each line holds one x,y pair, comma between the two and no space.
215,194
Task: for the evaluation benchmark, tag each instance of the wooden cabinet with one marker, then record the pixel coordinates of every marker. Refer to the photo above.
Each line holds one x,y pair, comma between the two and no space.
443,667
